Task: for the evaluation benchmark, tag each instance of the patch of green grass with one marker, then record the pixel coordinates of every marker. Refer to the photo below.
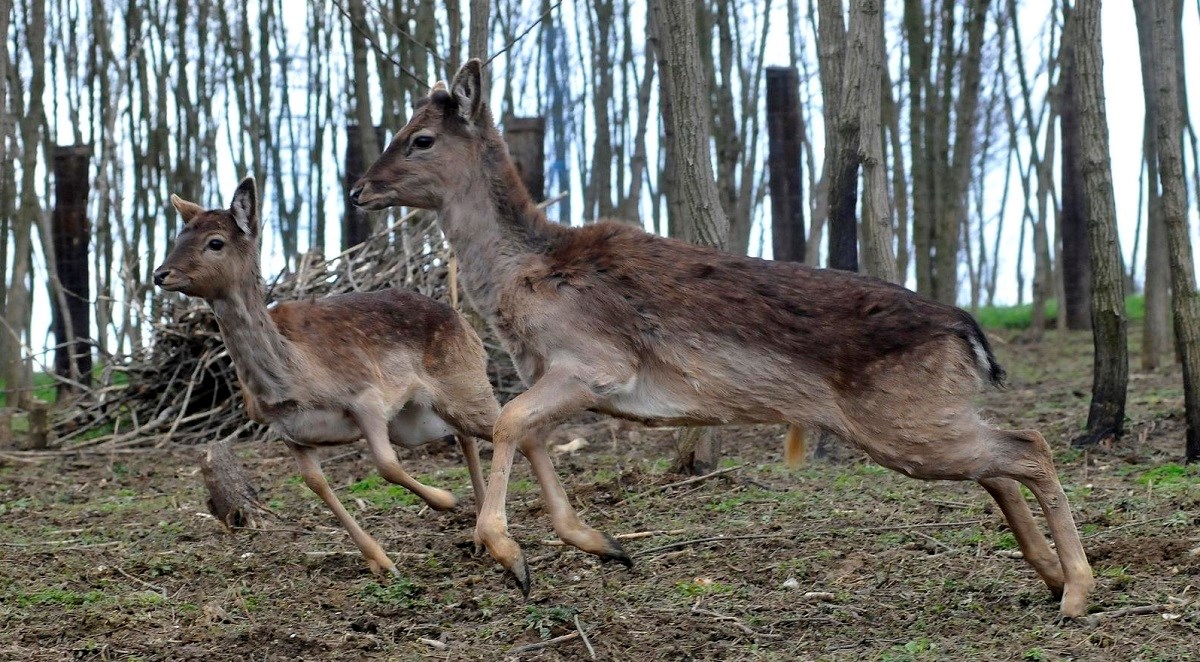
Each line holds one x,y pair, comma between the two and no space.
1005,541
1170,474
1035,654
44,389
1020,317
522,486
916,649
695,588
544,619
382,494
58,596
400,591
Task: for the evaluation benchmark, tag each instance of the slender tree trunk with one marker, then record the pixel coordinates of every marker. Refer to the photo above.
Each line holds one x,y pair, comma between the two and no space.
1072,221
1106,416
919,71
1185,302
864,88
1156,330
692,189
841,139
786,179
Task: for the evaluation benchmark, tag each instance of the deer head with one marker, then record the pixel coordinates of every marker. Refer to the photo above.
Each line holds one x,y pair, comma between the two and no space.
431,156
217,251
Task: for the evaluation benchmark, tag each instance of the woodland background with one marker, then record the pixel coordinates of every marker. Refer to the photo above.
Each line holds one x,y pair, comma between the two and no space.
979,128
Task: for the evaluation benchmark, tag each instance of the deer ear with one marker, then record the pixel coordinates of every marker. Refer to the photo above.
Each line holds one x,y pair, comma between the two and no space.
468,90
188,210
245,207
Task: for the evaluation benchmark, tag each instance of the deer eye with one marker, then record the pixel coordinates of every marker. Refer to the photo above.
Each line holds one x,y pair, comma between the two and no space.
423,142
216,244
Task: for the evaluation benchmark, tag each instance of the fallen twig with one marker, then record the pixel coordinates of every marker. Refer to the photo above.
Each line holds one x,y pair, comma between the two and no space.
583,636
637,535
1132,611
529,648
689,481
153,587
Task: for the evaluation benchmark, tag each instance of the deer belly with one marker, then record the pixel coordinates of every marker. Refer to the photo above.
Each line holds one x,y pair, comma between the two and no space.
417,424
642,399
318,426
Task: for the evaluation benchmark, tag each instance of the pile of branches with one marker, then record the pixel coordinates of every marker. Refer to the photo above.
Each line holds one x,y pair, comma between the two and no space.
182,388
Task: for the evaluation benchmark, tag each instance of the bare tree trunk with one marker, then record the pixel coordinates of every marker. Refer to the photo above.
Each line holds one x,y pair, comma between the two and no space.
1185,302
864,88
919,71
946,235
1072,221
841,139
1156,330
1106,416
232,498
367,149
787,190
691,186
356,223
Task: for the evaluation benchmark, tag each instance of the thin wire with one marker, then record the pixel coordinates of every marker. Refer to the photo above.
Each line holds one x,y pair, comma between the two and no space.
379,49
523,34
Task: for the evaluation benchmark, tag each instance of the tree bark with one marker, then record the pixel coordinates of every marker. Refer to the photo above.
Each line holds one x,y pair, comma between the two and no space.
1106,416
1156,329
919,71
356,223
947,234
784,163
1185,301
864,89
1072,222
232,498
690,188
841,139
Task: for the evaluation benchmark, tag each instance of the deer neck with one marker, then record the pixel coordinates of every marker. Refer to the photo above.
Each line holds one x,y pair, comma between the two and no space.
260,354
493,226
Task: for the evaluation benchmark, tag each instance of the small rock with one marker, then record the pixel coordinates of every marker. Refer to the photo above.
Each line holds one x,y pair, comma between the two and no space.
791,582
819,596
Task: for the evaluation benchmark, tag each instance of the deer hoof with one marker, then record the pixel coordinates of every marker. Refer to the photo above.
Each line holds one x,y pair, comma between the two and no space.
520,572
615,552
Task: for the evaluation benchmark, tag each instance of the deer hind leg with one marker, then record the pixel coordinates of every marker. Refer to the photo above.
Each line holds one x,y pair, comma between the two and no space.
1037,552
374,428
314,478
1025,456
522,424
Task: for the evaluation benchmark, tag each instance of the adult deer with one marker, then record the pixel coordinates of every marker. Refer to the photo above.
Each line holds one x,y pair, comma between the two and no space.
610,318
391,366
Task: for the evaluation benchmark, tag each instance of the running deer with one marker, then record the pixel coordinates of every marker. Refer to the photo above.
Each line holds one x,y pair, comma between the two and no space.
609,318
392,366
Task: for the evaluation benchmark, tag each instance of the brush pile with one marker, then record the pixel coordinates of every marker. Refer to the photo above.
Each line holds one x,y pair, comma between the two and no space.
182,388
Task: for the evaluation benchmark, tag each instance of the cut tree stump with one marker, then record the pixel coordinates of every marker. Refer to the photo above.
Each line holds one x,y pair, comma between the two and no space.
39,427
232,499
6,433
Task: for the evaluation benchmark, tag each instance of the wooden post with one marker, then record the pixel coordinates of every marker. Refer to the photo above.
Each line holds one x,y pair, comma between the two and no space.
6,434
356,223
526,138
69,227
39,426
784,128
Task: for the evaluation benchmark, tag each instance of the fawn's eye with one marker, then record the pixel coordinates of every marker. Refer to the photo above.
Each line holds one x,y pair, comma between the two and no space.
423,142
216,244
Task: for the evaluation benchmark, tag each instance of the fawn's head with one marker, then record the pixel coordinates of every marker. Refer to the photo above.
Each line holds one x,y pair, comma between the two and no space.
217,251
441,145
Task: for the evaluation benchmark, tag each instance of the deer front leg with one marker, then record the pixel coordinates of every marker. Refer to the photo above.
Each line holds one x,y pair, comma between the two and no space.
374,428
522,423
314,478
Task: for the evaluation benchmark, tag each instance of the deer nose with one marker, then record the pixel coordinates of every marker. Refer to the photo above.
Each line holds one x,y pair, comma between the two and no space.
160,276
355,192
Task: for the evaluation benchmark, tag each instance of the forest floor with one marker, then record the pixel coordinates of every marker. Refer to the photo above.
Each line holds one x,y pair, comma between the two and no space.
113,556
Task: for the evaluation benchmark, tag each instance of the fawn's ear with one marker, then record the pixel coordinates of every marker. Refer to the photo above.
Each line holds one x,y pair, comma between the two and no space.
188,210
468,90
245,207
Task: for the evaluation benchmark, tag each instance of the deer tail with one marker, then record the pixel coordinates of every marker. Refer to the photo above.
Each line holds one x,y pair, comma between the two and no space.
794,447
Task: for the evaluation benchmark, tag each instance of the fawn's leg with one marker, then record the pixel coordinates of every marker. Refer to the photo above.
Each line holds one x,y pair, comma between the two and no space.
374,428
1037,552
314,478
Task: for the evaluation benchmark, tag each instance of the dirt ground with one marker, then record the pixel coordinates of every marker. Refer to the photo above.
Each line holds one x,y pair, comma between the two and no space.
113,556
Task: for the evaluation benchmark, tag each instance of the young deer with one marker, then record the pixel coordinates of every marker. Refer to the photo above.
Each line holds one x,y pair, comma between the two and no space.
392,366
609,318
